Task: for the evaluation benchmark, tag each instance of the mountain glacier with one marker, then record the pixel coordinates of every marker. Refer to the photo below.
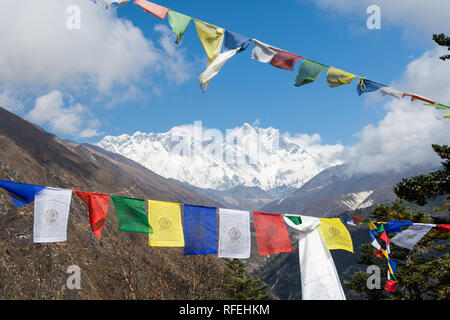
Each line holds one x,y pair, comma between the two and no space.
206,158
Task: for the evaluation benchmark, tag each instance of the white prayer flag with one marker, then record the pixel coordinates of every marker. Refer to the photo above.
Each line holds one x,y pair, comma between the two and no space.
392,92
263,52
409,238
319,277
214,67
51,212
234,234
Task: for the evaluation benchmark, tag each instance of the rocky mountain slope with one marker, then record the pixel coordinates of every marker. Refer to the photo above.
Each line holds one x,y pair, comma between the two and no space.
119,266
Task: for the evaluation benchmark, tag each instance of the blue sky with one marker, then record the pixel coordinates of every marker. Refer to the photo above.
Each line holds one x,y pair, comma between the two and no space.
122,73
246,90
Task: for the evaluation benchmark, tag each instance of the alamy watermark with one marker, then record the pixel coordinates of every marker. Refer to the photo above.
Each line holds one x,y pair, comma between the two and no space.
236,147
374,20
374,280
74,280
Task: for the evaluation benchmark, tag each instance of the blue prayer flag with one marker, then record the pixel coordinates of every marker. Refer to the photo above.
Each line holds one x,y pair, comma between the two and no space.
200,230
21,193
396,226
393,265
368,86
234,41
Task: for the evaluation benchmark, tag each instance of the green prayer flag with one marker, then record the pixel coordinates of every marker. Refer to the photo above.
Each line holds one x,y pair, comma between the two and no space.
179,23
381,228
295,219
308,72
438,106
132,215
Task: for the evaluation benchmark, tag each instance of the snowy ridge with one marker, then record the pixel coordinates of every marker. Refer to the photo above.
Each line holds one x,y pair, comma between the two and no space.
201,159
358,200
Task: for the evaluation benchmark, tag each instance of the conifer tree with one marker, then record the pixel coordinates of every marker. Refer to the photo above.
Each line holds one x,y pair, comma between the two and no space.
238,286
442,40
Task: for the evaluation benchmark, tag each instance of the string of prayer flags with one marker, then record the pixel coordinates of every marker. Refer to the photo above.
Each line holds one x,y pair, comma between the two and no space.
131,214
211,38
443,228
21,194
337,77
165,219
200,230
319,277
271,233
415,97
308,72
98,208
51,213
366,85
263,52
234,234
409,238
179,23
389,91
214,67
235,41
153,8
335,234
285,60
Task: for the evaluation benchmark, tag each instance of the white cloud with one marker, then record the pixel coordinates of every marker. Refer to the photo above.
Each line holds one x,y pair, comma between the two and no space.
74,120
9,101
403,138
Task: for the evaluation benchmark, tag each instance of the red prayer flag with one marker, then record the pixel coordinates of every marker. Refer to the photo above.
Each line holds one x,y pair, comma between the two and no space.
356,219
443,228
415,97
153,8
98,208
285,60
385,237
379,254
390,285
271,233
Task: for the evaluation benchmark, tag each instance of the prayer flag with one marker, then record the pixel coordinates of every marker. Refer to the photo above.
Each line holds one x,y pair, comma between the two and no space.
389,91
234,234
235,41
376,245
390,285
443,228
396,226
179,23
365,85
285,60
356,219
335,234
150,7
116,3
447,116
131,214
437,106
98,208
271,233
295,219
51,213
384,237
415,97
308,72
165,219
409,238
214,67
200,230
319,277
211,38
337,77
21,194
263,52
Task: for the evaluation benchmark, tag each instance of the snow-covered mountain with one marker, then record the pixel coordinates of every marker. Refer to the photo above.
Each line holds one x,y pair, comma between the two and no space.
206,158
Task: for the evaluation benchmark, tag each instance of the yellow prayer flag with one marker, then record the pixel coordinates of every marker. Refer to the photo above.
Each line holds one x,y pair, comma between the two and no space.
211,38
335,234
372,225
337,77
447,116
165,219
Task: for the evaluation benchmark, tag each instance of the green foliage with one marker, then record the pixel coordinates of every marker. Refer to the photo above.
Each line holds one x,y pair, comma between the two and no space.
423,273
421,188
442,40
238,286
